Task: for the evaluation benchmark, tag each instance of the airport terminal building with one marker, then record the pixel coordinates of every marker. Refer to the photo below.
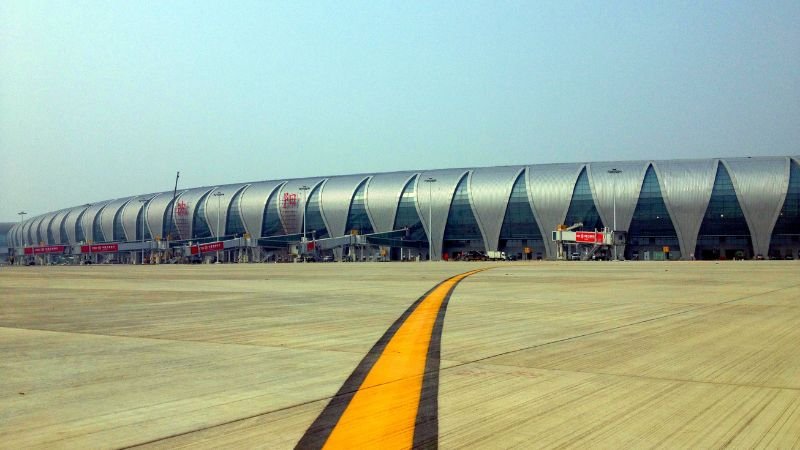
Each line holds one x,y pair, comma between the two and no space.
701,209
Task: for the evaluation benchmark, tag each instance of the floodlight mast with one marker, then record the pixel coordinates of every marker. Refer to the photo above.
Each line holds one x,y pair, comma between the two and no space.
430,181
615,171
303,240
219,195
143,201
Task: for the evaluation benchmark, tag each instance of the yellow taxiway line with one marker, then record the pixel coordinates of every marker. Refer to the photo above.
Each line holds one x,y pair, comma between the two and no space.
390,400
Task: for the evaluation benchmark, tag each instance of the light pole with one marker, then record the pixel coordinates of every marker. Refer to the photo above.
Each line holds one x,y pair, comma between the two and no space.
219,195
21,217
613,172
430,181
304,188
143,201
88,205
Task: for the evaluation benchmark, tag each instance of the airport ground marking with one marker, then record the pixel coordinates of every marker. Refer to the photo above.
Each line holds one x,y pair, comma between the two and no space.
391,398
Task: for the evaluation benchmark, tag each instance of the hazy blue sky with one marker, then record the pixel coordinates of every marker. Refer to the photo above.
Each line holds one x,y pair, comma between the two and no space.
108,99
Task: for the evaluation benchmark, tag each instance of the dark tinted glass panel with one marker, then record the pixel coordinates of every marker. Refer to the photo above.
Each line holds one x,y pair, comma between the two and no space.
519,222
582,208
271,223
785,241
168,229
407,216
651,227
80,236
97,231
40,236
51,239
724,231
200,229
789,218
357,218
140,221
62,230
119,232
314,223
461,223
234,226
724,216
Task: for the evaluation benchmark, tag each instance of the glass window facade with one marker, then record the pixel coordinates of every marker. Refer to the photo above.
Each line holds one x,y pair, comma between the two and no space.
314,222
651,227
51,239
519,228
357,217
62,230
40,237
169,229
234,226
407,216
200,229
139,217
724,232
785,241
119,232
80,236
461,231
271,221
97,230
582,208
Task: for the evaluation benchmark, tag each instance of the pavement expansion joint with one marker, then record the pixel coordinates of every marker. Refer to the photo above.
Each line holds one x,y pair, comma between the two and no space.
618,327
641,377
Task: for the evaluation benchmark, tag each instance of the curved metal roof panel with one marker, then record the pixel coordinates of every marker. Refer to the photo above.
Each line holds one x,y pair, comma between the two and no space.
108,214
32,235
17,233
436,198
222,204
761,185
382,196
490,190
44,228
686,186
55,226
550,191
30,238
11,236
191,198
70,223
38,231
624,187
253,201
88,220
130,215
21,235
154,213
19,240
335,198
292,216
26,235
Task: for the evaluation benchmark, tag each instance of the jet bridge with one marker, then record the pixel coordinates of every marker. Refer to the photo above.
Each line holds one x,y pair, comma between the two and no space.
585,244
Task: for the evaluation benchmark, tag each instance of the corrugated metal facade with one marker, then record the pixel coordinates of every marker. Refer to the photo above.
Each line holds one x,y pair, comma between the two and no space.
686,185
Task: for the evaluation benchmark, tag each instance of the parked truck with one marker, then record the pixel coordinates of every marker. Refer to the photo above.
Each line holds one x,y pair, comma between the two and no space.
496,256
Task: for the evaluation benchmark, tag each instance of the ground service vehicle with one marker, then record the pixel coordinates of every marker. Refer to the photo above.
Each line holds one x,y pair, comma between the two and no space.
496,256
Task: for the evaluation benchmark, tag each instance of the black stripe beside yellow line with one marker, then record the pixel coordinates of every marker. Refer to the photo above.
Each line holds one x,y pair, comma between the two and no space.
391,399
